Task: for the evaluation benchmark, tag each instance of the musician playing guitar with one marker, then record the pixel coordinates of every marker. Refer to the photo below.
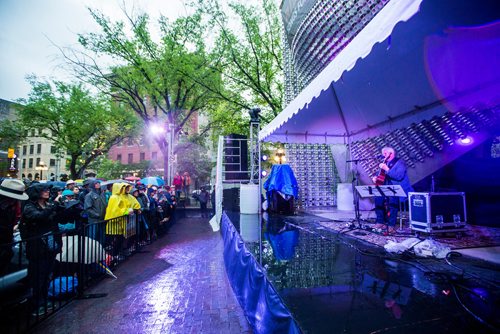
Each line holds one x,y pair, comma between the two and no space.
392,171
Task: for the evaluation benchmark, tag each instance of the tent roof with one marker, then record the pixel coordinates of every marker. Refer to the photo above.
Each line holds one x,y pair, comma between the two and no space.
392,75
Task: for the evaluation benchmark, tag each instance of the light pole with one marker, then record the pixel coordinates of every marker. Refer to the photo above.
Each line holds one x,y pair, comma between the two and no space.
165,132
41,167
171,138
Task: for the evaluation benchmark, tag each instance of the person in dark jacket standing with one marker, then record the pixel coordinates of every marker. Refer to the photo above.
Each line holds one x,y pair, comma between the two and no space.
39,220
95,208
11,193
204,197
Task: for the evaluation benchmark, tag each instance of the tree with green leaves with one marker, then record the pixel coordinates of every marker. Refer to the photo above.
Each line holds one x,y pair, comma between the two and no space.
160,81
196,163
11,135
78,123
248,54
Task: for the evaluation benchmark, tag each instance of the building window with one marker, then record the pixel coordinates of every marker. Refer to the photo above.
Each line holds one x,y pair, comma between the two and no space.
52,150
30,163
130,142
143,156
119,157
141,141
25,149
154,155
130,158
39,148
37,161
52,162
33,134
24,163
32,149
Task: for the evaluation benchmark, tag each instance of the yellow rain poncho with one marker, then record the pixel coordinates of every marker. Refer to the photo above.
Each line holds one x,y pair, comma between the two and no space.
132,201
118,206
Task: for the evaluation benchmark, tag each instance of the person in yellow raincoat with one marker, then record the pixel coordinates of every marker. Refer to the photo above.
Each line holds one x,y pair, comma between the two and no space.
120,204
132,201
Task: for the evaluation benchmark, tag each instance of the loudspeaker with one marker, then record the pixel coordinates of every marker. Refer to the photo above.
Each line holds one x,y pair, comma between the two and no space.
280,205
231,199
236,157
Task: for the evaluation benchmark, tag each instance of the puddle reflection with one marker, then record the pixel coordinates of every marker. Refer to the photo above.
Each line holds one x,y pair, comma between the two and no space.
332,286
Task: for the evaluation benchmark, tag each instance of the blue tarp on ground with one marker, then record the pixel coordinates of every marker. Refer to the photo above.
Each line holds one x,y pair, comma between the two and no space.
261,303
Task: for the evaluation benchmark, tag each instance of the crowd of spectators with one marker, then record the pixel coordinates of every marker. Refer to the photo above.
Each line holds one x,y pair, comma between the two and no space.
43,213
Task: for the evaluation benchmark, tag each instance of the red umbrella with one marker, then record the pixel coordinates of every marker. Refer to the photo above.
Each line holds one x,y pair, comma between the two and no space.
132,178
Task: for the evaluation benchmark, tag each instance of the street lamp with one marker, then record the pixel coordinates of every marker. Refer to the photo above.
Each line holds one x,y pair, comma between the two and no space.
41,167
166,132
280,156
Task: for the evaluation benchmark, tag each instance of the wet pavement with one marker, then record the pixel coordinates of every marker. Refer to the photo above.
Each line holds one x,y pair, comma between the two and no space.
178,284
332,283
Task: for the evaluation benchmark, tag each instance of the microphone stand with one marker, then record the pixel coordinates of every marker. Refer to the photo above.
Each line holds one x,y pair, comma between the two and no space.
356,222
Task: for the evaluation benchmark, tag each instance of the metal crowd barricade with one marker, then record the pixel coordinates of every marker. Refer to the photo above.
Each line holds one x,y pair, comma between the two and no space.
47,272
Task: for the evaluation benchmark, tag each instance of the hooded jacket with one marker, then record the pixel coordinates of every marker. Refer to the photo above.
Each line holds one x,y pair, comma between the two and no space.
131,200
95,204
118,203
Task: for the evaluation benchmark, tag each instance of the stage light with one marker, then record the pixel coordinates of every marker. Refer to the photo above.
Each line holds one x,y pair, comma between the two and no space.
263,173
465,141
265,157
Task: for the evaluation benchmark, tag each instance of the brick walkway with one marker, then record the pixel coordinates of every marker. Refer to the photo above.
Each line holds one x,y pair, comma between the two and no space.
178,285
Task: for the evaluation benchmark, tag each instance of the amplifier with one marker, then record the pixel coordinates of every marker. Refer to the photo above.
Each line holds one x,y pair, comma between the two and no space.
437,212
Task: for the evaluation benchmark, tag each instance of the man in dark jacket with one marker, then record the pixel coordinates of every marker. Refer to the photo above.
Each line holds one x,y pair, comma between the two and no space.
95,208
39,220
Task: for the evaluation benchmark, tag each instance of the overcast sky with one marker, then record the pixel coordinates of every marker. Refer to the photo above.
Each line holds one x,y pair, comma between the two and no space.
27,28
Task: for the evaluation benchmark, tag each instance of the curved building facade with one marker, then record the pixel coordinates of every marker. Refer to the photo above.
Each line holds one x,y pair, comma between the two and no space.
315,31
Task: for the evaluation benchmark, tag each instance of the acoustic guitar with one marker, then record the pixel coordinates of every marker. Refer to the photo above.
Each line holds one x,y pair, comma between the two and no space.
380,179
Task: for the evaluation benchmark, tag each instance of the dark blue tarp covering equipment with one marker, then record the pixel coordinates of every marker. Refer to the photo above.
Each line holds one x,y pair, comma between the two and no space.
283,180
262,305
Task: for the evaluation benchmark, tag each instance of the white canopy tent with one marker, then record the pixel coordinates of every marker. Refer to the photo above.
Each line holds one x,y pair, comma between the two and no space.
406,65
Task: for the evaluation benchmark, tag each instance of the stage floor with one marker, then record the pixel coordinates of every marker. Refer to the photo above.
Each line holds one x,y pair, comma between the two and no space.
474,237
334,280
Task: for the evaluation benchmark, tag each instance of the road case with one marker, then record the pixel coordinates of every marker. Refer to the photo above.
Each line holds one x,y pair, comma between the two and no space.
432,212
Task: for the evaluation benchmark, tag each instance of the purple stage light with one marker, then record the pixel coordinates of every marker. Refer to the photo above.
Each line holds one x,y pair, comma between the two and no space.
465,141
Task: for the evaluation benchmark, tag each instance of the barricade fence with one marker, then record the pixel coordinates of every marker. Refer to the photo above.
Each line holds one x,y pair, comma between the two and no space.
41,274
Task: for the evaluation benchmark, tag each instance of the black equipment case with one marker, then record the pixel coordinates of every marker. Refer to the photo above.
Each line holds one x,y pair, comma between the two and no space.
432,212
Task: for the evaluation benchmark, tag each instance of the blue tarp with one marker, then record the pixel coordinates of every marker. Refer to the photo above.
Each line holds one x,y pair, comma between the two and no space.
261,303
283,180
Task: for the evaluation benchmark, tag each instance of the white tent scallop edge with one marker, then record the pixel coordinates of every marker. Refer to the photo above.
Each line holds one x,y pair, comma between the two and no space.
376,31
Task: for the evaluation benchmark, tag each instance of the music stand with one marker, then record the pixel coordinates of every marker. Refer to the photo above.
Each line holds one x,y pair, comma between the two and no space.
388,190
